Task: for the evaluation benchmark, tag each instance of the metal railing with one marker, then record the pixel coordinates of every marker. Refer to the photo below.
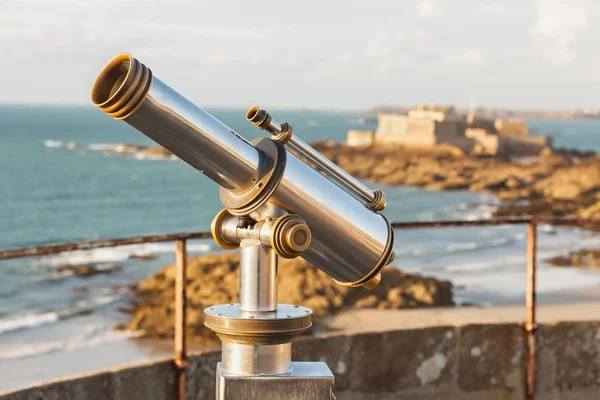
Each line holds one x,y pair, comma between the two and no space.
180,356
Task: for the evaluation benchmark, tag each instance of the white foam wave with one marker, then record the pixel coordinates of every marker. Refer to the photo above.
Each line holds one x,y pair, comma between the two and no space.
115,254
27,321
53,143
485,265
139,156
104,146
461,247
94,337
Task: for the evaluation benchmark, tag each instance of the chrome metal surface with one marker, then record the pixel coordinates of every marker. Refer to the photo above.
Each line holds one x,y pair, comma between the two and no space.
306,153
196,137
181,127
348,240
306,380
258,279
303,150
248,359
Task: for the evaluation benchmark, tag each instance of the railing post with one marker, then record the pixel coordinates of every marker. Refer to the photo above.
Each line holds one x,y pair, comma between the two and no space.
531,325
180,356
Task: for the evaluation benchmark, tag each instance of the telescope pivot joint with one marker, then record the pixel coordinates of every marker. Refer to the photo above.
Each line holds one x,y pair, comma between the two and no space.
288,235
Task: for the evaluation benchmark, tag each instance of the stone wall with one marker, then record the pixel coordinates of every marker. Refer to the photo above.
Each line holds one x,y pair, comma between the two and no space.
511,128
524,145
476,361
358,138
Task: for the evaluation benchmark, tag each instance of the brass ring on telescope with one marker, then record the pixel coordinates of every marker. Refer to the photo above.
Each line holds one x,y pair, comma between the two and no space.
215,230
378,202
372,279
121,86
242,203
290,236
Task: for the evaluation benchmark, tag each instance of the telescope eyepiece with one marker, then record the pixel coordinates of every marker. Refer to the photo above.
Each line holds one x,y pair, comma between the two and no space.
121,86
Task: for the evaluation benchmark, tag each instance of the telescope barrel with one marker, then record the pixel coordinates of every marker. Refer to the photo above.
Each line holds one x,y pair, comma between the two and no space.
349,242
125,89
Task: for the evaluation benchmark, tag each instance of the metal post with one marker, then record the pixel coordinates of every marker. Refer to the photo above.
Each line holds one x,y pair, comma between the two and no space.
180,358
258,279
531,325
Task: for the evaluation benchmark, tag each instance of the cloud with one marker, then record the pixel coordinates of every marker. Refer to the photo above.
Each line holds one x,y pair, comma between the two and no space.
427,9
464,57
557,26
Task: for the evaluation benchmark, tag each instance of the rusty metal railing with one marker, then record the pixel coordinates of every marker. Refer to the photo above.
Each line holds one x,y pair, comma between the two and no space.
180,356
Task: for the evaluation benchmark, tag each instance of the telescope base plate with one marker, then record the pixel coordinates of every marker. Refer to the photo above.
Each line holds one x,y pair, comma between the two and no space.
232,324
306,380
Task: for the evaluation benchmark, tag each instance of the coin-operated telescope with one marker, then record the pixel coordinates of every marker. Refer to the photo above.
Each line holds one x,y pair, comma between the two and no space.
282,198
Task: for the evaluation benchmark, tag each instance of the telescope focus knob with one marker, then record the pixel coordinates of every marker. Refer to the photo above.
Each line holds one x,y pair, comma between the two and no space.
290,236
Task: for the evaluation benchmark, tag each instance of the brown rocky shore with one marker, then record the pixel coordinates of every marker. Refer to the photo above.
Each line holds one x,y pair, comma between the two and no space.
555,183
213,279
558,183
585,258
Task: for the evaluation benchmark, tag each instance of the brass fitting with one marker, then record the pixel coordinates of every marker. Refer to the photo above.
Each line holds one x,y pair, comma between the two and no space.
290,236
121,86
373,282
262,119
217,231
378,202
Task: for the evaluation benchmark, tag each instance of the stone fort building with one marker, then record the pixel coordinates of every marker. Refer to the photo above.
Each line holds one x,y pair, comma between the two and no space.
428,126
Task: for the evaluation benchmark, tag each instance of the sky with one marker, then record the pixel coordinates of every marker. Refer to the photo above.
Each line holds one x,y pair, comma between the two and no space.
527,54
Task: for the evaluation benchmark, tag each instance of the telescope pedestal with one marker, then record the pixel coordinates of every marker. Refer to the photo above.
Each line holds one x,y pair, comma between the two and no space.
306,380
257,338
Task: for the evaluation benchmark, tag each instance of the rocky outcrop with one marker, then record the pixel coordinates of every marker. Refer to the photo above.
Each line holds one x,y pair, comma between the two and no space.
213,279
557,182
154,153
581,258
86,270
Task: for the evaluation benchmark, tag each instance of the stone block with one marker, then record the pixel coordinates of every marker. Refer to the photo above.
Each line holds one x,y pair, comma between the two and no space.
202,375
492,356
404,359
333,350
569,357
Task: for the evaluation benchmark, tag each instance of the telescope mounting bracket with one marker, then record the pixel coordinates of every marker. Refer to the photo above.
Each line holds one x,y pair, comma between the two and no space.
257,332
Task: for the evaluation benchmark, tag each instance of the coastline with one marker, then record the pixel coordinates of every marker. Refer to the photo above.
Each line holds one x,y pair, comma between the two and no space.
559,182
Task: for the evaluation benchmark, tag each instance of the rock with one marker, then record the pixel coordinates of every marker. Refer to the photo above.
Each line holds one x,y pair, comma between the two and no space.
562,182
129,149
370,301
582,258
546,152
213,279
143,257
87,270
153,153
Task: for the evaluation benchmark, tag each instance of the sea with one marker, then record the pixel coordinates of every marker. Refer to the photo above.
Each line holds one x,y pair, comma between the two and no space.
54,324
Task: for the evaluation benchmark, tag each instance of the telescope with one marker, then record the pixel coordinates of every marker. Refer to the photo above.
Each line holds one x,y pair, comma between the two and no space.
282,198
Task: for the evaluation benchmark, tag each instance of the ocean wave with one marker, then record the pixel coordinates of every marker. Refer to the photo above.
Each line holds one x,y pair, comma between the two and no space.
461,247
104,146
114,254
151,157
27,321
53,143
94,337
485,265
86,305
